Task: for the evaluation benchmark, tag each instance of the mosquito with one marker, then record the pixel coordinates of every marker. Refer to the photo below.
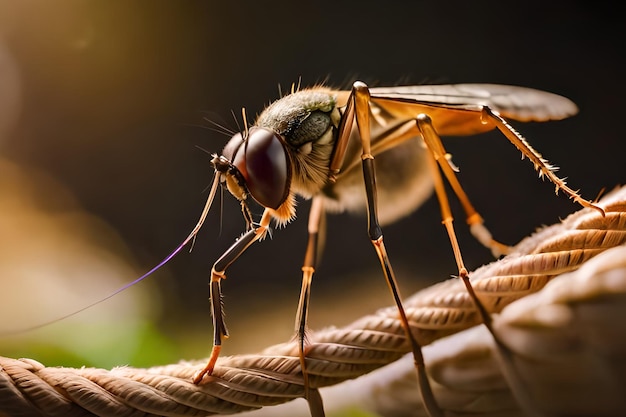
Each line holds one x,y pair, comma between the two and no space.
307,144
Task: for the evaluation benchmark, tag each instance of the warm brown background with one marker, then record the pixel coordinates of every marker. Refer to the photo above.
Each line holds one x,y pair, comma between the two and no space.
114,97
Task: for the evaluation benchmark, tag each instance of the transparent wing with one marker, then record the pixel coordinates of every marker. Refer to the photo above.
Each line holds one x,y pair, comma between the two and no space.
455,108
518,103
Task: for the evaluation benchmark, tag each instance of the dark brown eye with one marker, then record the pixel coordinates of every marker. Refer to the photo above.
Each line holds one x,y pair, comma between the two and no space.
232,146
265,166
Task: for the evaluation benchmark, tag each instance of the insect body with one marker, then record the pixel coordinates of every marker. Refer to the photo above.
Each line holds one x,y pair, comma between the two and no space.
307,144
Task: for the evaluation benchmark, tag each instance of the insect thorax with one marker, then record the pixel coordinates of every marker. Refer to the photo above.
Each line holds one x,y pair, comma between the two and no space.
308,121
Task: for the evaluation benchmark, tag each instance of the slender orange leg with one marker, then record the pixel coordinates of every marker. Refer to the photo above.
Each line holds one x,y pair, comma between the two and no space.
316,222
218,273
438,160
409,131
542,166
360,95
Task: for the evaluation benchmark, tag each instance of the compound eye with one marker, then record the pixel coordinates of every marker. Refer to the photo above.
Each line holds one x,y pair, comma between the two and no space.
232,146
265,166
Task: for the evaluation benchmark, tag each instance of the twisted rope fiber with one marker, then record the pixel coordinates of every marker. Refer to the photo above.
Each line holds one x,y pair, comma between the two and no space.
245,382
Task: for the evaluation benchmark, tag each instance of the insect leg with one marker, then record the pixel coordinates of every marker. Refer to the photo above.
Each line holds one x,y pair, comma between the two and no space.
218,272
409,130
315,242
542,166
472,217
438,159
361,99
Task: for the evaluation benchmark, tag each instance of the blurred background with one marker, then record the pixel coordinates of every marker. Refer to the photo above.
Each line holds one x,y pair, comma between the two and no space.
107,113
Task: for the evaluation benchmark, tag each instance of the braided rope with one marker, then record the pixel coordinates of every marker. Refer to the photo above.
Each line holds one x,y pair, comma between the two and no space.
246,382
